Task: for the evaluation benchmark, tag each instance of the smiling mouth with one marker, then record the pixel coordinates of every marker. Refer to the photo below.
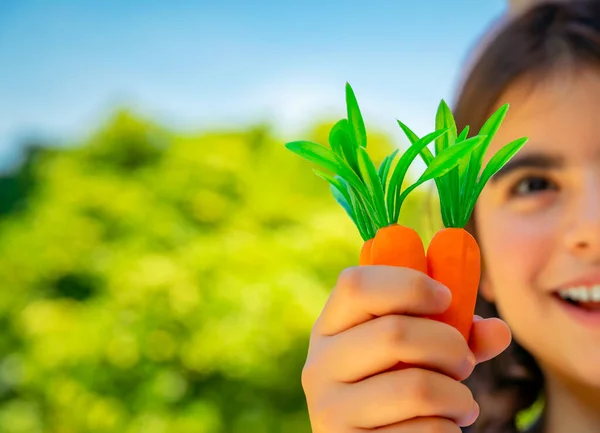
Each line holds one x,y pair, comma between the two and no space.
584,297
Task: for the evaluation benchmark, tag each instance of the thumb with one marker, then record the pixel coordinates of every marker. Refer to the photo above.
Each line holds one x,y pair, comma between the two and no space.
489,338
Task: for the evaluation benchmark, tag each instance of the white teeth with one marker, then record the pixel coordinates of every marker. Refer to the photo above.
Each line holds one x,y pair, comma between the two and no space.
582,293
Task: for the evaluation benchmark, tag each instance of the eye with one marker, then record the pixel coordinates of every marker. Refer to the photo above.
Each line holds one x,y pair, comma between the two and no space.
532,184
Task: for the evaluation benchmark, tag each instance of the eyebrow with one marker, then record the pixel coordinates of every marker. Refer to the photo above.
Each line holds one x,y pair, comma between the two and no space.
529,160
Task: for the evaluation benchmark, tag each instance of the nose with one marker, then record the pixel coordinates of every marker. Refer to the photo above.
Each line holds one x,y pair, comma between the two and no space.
583,234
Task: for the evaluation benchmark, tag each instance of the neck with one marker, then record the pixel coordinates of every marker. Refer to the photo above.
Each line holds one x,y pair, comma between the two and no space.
570,407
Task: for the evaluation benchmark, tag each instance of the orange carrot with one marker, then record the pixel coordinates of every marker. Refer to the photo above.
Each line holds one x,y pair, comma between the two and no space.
398,245
453,255
373,198
365,253
453,259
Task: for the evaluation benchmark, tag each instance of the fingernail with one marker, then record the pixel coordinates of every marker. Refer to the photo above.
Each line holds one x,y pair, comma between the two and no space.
471,358
475,411
441,288
477,318
469,365
444,297
473,415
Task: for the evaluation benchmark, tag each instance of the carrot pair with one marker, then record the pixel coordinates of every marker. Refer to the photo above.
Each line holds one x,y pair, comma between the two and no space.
453,259
372,197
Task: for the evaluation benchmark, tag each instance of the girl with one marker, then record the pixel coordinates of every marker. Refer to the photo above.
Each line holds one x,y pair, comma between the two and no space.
538,225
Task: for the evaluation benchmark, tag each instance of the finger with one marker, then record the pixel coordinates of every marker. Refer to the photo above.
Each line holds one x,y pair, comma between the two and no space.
391,397
365,292
489,338
418,425
382,343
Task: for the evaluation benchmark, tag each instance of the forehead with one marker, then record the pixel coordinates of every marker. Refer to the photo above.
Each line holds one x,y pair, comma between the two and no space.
560,114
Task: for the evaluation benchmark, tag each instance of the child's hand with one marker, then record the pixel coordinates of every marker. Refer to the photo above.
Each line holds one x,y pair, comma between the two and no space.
367,327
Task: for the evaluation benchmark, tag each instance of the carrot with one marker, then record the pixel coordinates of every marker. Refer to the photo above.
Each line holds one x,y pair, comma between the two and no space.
453,255
365,253
398,245
373,197
453,259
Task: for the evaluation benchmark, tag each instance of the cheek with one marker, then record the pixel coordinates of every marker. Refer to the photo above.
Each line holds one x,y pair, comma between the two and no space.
514,250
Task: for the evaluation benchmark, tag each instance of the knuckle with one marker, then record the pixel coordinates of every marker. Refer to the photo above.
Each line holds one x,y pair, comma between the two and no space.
325,416
420,289
310,373
306,376
464,403
351,280
314,331
394,329
469,398
419,386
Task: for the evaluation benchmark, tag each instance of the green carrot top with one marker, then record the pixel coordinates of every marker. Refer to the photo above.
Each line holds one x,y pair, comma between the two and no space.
372,196
461,186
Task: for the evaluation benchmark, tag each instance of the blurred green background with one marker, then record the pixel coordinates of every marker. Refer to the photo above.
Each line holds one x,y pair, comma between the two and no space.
166,282
162,264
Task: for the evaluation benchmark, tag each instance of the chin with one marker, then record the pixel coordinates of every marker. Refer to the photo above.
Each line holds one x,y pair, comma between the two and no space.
578,341
574,360
585,367
564,347
563,335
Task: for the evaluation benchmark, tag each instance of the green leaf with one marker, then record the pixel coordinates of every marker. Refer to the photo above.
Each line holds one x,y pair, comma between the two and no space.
464,163
427,157
342,144
442,187
489,129
355,118
335,141
444,119
491,126
463,134
406,192
451,156
412,137
374,186
360,222
501,157
339,192
401,169
365,224
384,169
325,157
496,163
442,164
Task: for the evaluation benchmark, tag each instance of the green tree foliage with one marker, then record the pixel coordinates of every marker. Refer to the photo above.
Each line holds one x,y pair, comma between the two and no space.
159,282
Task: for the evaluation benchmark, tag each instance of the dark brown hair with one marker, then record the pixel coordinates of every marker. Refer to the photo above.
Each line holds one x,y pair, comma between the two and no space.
535,43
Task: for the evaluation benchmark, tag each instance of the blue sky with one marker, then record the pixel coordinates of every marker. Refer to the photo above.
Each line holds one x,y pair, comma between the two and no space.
204,64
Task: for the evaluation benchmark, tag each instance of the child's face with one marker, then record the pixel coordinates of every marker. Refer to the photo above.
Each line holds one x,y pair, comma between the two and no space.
538,225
